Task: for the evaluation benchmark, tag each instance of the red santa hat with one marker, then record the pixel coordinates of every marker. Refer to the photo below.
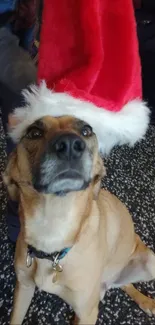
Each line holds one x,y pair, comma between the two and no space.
89,59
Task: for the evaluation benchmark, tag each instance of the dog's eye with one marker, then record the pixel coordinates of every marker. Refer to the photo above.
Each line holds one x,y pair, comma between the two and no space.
34,133
87,131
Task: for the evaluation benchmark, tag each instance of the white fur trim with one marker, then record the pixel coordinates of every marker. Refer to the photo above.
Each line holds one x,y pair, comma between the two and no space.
112,128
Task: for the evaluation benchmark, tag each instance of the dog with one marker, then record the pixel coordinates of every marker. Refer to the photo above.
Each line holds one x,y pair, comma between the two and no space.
76,239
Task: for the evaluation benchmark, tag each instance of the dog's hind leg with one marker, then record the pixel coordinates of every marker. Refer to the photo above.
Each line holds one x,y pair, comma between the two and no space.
22,299
145,303
141,267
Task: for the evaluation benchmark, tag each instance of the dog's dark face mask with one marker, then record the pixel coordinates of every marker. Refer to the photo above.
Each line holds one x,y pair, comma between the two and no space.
61,153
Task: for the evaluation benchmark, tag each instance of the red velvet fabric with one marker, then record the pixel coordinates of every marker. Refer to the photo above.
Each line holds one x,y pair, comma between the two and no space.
89,49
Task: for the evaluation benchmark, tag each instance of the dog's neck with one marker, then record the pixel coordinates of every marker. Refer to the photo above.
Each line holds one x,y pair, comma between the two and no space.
52,223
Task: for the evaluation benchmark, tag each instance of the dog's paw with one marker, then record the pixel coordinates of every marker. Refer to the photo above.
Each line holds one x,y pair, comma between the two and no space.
148,306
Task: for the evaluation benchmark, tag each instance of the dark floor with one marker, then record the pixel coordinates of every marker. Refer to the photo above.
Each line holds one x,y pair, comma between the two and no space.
130,175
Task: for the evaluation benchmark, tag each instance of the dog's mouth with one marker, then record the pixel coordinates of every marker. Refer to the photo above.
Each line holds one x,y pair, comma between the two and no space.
68,173
62,182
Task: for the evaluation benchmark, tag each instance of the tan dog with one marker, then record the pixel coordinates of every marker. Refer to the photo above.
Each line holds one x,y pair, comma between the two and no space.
76,240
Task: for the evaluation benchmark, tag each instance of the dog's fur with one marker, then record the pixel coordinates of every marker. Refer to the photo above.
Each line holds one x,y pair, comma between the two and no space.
105,251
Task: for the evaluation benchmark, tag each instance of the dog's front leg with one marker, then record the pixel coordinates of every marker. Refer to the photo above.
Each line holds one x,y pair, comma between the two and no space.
22,298
87,318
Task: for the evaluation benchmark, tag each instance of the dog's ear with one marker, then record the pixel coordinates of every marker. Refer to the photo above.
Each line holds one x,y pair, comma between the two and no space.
99,173
9,177
10,172
17,171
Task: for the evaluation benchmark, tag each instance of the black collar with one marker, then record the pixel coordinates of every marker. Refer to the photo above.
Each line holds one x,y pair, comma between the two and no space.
33,252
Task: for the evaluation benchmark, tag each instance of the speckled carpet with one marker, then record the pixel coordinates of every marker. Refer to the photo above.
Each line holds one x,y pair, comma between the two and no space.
131,176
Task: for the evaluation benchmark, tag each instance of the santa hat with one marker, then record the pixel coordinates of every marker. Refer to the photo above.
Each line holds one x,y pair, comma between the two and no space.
90,62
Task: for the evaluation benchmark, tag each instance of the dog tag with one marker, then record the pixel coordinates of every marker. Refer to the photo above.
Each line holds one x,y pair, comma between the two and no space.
57,268
55,277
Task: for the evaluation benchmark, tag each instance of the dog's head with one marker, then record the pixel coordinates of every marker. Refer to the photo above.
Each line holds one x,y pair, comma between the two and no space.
55,155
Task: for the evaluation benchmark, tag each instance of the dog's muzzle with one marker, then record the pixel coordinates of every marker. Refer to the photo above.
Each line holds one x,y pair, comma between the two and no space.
64,166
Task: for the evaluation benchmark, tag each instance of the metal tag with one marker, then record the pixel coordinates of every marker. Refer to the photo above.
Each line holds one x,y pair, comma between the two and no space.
56,266
29,260
55,277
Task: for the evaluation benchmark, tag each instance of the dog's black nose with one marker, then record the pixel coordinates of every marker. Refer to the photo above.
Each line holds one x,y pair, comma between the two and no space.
69,146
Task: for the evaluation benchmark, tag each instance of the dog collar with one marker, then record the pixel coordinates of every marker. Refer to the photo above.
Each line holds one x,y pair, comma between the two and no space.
54,257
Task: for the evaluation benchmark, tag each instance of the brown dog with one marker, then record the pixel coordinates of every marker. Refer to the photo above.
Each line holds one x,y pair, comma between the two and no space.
76,240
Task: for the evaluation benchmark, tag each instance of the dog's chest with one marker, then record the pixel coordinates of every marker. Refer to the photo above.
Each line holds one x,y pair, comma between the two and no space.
79,268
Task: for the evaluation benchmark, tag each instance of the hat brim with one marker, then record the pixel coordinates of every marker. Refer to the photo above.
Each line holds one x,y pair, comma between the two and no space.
126,126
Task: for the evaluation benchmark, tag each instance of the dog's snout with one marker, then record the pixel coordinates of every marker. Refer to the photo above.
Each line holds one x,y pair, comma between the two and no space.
69,146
